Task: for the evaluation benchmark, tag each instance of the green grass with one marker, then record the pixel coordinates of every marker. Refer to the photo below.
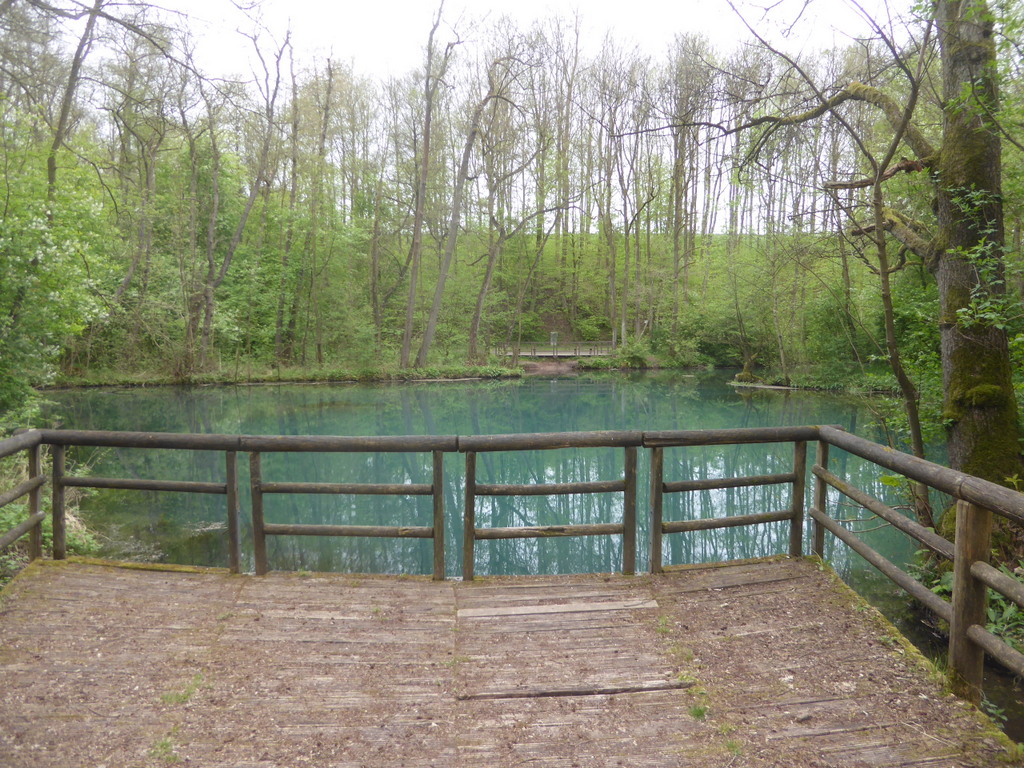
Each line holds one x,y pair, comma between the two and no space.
185,695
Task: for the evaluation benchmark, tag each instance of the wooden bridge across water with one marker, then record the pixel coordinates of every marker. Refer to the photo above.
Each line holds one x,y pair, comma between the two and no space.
566,350
760,663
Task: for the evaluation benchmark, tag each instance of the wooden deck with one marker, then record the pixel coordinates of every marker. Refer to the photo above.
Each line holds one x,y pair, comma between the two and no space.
750,664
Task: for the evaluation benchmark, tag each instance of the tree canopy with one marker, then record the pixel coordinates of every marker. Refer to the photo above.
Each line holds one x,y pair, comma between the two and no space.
843,214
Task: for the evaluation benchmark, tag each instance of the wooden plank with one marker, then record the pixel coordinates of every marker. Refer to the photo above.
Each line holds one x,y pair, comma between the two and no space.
608,690
529,610
349,671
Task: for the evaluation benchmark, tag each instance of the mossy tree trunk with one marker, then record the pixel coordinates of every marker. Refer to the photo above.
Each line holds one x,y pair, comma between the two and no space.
965,248
979,399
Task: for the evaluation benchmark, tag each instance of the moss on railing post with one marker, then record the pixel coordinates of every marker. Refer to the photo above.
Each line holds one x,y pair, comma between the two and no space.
970,599
820,501
438,497
60,539
35,500
657,506
259,535
234,536
796,526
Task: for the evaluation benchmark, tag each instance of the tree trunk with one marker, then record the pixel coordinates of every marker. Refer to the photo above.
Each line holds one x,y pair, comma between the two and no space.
453,230
980,405
430,83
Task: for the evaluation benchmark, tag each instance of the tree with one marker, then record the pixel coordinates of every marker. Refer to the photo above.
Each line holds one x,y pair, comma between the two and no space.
964,245
434,69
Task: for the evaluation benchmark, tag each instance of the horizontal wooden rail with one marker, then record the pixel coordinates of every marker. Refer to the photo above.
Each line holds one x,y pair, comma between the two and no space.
929,599
545,531
20,442
22,489
121,484
999,581
997,648
549,440
734,521
721,483
629,441
373,531
743,436
25,526
436,446
551,489
912,528
250,443
31,443
977,500
351,489
1002,501
659,441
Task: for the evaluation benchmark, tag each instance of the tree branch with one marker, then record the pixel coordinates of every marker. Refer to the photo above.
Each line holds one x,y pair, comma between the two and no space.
903,166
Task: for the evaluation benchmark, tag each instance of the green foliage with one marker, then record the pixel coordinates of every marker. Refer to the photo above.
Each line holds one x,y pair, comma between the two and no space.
1005,619
52,260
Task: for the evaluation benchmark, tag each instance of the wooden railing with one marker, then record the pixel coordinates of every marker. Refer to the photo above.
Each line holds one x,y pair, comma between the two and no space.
437,446
30,442
659,441
977,500
562,349
629,441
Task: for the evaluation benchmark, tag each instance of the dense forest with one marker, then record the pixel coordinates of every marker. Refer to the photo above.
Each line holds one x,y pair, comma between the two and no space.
850,215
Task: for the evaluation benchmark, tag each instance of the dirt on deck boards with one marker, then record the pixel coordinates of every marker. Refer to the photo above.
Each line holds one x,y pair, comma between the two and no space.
752,664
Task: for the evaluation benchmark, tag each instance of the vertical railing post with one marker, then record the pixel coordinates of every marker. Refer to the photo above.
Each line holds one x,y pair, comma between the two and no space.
820,501
35,499
657,500
629,514
234,535
438,489
60,538
259,537
469,518
796,525
970,599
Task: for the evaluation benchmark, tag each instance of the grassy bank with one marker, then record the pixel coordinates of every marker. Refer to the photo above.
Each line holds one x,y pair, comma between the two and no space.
297,375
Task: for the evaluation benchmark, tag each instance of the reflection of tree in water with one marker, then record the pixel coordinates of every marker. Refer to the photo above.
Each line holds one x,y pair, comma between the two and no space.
593,554
188,528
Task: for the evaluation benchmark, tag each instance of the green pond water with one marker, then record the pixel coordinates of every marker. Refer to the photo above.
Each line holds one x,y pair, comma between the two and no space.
190,528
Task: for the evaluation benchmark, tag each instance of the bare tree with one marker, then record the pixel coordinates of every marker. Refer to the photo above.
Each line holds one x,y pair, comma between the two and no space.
963,246
434,69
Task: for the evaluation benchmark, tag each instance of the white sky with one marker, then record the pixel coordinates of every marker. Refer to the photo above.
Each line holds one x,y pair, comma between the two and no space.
386,37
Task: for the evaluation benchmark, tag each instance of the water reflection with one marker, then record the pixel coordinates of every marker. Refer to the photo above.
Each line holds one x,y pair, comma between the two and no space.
188,528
